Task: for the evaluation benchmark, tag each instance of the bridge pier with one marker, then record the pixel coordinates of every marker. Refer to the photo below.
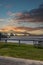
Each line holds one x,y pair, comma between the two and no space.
19,42
5,40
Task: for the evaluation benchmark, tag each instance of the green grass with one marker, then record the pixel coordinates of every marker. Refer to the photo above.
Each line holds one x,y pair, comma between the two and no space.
22,51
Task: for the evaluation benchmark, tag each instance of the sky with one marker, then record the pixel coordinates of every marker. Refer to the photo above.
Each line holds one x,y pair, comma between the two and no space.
27,13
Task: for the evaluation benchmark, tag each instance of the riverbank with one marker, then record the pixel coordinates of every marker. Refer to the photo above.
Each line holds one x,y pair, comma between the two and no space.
23,51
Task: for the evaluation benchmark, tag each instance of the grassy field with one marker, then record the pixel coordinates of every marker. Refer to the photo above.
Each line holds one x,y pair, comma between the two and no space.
22,51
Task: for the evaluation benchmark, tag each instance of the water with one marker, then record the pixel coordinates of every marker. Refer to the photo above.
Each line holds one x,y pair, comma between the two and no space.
22,42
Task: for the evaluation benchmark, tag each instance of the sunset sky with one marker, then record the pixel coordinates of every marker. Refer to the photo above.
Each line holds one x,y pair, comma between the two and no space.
21,13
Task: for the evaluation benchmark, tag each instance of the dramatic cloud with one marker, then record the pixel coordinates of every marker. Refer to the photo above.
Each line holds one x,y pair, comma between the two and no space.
35,15
23,16
34,18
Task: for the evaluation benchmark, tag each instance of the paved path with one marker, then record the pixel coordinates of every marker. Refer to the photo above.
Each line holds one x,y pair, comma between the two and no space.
17,61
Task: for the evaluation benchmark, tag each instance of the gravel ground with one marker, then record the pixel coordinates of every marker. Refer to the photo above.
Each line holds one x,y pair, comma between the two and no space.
17,61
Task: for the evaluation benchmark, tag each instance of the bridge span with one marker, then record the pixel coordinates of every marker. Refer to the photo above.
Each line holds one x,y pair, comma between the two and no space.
37,40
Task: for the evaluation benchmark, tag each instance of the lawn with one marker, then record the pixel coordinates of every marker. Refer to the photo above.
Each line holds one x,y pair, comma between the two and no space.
22,51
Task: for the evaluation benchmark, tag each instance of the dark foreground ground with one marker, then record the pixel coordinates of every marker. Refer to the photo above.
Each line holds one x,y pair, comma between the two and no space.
17,61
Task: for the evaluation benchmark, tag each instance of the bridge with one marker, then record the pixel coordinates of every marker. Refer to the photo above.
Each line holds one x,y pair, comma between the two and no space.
36,39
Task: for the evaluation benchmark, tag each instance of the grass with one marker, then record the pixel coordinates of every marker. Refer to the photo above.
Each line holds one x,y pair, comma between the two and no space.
22,51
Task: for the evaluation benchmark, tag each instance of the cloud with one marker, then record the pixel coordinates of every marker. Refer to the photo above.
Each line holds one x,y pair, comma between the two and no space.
33,18
35,15
9,13
3,22
14,15
23,15
19,14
